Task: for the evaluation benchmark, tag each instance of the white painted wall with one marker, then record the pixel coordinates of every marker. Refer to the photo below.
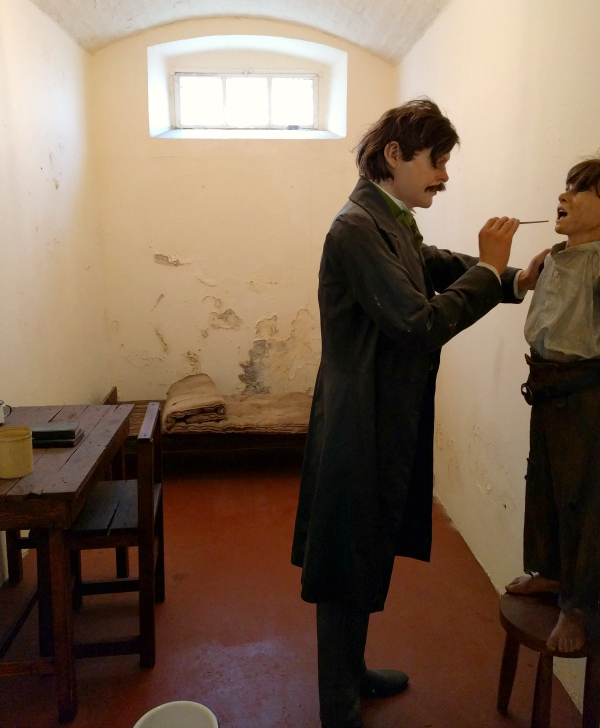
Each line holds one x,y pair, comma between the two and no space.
520,81
244,219
51,283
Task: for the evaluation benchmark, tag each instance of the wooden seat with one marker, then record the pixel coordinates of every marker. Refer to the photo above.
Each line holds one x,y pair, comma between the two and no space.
529,620
119,514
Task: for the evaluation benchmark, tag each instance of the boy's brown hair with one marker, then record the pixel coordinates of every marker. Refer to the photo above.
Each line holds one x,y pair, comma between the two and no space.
585,176
416,125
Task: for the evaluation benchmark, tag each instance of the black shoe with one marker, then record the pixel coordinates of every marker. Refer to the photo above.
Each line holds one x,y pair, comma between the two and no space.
383,683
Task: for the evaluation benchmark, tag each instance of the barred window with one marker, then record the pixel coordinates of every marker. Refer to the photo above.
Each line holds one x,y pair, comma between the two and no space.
249,100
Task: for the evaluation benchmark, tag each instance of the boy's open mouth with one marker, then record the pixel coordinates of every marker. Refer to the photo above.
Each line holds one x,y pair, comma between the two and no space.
561,213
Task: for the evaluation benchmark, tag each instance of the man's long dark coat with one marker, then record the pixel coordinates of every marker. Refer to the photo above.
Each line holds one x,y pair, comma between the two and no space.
366,491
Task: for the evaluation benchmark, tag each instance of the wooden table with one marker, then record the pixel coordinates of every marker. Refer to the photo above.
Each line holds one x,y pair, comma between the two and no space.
49,499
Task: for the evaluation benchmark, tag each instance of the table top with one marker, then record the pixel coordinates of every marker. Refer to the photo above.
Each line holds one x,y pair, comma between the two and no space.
62,473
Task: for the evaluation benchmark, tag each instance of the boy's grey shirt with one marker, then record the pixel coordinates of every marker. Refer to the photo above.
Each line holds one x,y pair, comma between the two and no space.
563,323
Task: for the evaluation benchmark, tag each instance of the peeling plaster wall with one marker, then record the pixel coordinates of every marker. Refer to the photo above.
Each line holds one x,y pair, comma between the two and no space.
213,246
523,90
282,363
51,285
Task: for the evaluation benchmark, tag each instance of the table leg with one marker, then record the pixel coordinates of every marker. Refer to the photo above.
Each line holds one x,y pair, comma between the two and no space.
117,465
14,557
62,618
45,624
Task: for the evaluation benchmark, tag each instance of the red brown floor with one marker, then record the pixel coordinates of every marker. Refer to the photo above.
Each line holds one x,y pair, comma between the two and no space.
234,635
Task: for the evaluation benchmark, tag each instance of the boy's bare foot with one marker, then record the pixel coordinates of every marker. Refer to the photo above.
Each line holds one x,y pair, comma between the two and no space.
532,585
569,633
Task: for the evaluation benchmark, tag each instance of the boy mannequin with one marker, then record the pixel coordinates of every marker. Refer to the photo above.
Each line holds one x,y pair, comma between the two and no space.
562,502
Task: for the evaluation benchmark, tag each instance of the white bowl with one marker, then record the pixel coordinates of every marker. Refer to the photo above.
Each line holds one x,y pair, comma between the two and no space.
178,714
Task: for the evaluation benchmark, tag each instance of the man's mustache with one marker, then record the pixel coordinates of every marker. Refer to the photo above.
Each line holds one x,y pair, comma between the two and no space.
436,188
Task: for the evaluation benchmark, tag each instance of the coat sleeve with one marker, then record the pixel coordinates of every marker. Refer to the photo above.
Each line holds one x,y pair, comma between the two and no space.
379,281
445,268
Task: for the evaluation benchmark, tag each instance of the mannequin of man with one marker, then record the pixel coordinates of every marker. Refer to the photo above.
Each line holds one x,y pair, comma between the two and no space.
367,480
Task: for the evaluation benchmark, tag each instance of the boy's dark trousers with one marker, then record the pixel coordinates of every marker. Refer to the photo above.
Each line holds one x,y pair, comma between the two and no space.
562,502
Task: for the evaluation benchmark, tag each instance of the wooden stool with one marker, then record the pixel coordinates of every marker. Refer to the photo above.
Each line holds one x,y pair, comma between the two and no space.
529,620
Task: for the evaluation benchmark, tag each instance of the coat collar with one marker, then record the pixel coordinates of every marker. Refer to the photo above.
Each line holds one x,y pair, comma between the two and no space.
367,196
370,199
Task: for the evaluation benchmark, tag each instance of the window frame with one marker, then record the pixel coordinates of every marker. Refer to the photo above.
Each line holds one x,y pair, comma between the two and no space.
269,75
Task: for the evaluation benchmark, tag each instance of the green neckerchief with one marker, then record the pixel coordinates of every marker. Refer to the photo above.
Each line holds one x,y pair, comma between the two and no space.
404,217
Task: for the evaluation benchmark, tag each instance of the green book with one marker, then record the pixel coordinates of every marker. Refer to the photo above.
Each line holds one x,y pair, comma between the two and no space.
63,430
59,442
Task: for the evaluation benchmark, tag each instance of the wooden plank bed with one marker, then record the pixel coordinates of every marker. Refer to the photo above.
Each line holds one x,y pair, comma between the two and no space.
208,442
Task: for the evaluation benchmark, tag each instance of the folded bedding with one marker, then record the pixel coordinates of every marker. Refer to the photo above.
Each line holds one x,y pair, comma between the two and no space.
191,403
262,413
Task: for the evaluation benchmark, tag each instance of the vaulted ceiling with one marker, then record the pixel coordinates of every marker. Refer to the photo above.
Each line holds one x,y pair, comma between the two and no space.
388,28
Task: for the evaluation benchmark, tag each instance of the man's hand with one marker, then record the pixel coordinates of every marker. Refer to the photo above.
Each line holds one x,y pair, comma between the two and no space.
495,239
529,276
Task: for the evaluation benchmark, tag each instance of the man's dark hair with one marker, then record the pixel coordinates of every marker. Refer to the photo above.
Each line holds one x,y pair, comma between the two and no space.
416,125
585,176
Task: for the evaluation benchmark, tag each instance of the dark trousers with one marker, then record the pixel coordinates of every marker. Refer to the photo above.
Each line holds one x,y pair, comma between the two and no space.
341,638
562,497
341,630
